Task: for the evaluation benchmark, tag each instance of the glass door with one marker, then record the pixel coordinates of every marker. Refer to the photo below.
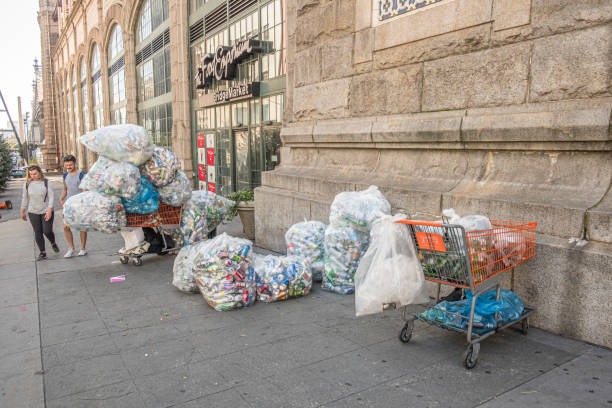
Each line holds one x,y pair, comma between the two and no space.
241,159
272,141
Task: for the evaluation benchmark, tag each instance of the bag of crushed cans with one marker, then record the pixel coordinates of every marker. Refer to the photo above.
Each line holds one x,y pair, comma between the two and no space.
305,240
224,272
162,167
177,192
358,209
145,201
202,213
113,178
282,277
343,249
182,272
124,143
91,210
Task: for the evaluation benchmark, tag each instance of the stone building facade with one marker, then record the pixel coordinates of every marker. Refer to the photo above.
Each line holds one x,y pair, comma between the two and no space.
136,61
493,107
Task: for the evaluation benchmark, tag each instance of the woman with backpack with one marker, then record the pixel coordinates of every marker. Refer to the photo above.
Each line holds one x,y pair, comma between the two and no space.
37,200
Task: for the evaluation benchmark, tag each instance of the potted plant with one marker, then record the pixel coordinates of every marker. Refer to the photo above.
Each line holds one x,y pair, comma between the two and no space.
245,208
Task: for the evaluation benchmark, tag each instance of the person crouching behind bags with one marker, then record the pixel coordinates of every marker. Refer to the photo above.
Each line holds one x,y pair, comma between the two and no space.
72,183
37,199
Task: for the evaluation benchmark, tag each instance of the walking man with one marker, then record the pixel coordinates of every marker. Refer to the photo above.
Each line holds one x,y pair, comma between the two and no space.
72,182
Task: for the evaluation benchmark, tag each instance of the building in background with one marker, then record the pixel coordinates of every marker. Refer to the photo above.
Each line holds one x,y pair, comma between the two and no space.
491,107
138,61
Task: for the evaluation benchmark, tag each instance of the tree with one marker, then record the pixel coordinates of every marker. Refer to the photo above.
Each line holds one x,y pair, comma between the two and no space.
5,163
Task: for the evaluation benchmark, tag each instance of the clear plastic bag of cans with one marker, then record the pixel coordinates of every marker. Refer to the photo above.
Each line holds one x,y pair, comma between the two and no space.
358,209
182,272
390,270
124,143
145,201
162,167
93,211
282,277
305,240
202,213
112,178
343,248
224,272
177,192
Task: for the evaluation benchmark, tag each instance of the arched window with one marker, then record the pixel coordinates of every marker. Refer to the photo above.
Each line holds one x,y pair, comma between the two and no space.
116,76
84,102
153,71
68,111
75,102
96,86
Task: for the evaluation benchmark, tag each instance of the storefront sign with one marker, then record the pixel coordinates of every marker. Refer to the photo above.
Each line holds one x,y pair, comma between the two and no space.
236,92
201,172
212,187
201,140
222,64
210,157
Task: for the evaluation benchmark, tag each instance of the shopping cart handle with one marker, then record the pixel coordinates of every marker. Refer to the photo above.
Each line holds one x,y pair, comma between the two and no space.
416,222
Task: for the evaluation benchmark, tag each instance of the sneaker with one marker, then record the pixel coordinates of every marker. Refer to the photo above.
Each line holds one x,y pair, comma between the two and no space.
55,247
82,252
69,253
41,257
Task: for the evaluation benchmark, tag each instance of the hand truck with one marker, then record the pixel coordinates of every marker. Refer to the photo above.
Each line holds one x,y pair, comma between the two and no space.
470,260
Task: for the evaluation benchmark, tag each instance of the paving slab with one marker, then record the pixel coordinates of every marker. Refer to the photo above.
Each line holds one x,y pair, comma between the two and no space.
120,394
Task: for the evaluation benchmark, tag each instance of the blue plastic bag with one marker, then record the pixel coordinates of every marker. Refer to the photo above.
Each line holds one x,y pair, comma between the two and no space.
509,308
145,201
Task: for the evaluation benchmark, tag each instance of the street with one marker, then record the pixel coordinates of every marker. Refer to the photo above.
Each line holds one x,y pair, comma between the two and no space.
70,338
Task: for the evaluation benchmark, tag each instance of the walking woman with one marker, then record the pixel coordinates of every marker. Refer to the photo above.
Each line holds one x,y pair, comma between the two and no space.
37,199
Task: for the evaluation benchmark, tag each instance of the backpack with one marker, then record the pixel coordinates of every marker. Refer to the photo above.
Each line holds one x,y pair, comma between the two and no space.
81,175
46,188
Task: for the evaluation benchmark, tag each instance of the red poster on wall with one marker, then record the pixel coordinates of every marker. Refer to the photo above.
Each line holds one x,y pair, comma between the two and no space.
212,187
210,157
201,140
202,172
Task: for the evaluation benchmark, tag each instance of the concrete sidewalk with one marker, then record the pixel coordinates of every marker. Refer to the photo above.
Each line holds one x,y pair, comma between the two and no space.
73,339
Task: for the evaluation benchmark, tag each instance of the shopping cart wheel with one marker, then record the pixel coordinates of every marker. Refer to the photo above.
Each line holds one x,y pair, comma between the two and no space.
406,333
124,259
136,261
525,326
471,356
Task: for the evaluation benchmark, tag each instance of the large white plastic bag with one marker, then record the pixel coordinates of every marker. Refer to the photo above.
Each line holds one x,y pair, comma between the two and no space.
224,272
469,222
177,192
344,248
126,143
182,273
390,270
91,210
282,277
202,213
113,178
306,240
133,238
162,167
358,209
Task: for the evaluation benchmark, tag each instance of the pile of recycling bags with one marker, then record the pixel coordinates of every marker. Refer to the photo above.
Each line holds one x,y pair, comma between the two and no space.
202,213
93,211
224,274
348,234
282,277
305,240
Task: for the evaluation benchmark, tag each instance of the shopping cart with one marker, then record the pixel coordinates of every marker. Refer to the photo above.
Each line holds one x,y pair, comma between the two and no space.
164,219
470,260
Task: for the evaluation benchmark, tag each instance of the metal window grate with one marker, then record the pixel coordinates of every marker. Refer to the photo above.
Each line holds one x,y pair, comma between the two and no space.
138,58
167,37
116,66
196,31
146,52
158,43
215,18
96,76
238,6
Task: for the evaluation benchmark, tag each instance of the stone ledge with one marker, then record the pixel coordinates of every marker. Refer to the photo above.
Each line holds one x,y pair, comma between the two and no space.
353,131
300,134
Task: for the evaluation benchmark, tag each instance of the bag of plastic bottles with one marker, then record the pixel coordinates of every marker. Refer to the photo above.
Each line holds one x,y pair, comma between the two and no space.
305,240
145,201
358,209
509,307
202,213
282,277
390,270
224,272
469,222
182,272
162,167
124,143
91,210
177,192
344,248
112,178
